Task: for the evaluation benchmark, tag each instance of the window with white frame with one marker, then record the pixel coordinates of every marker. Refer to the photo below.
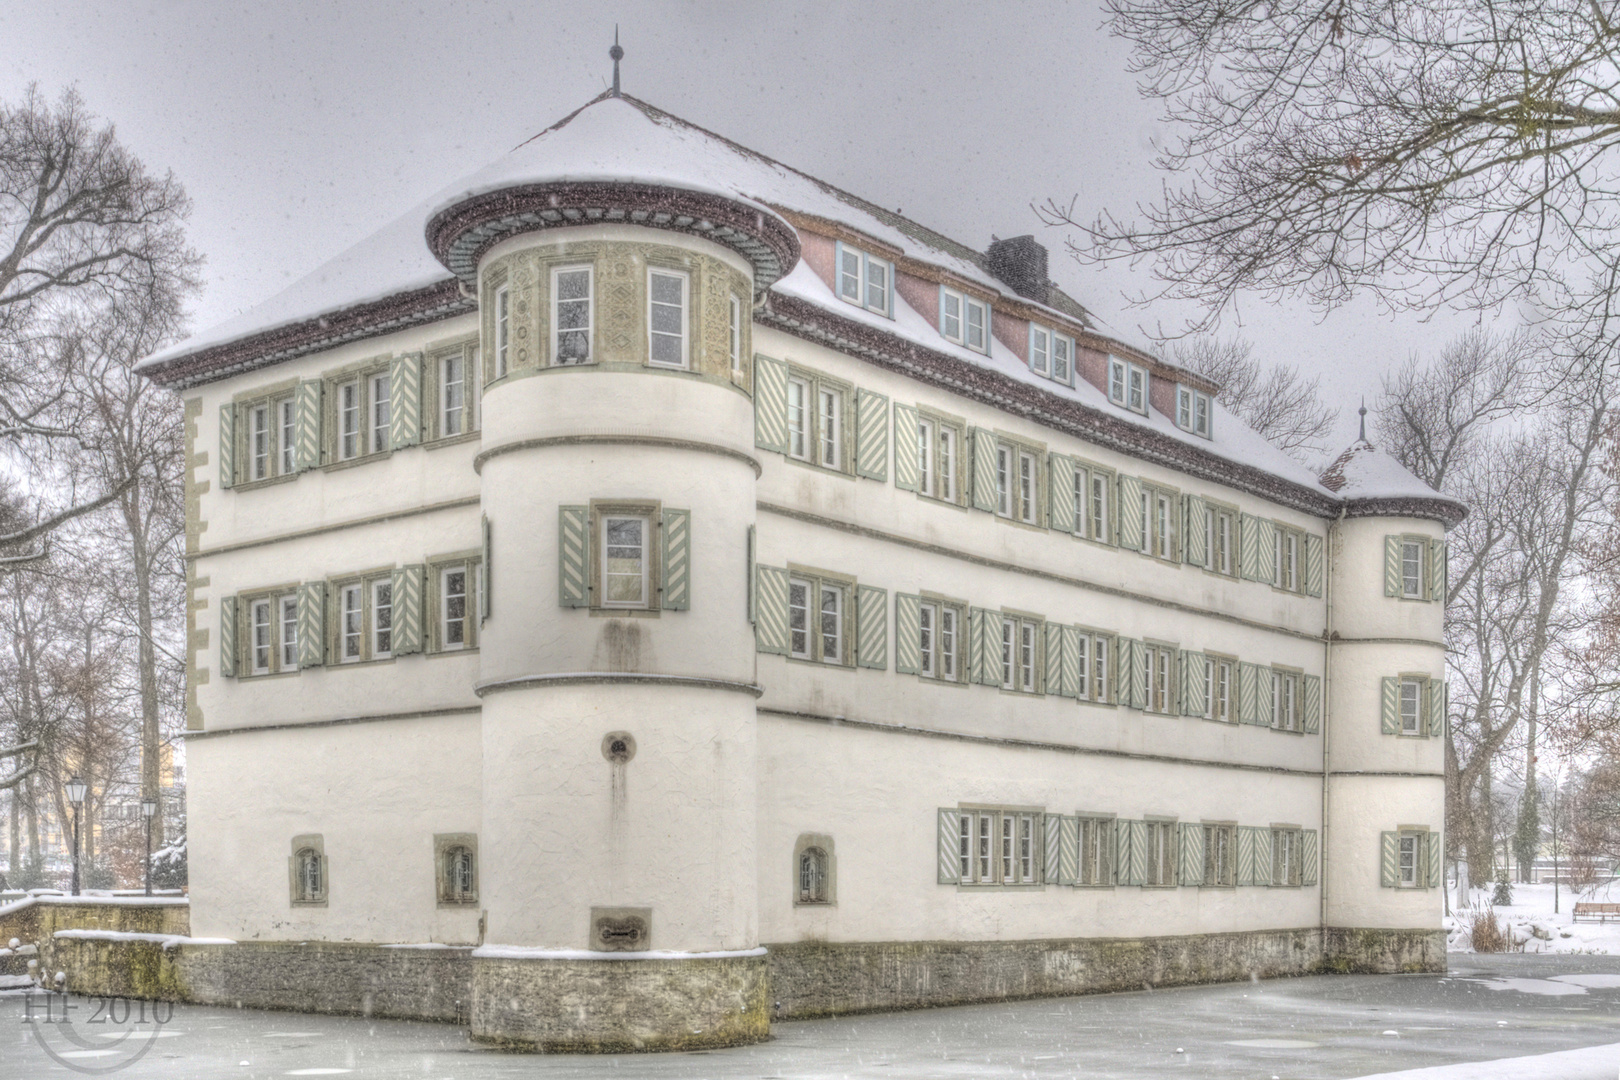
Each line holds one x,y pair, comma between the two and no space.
964,320
287,435
864,280
1413,692
1128,384
381,413
999,847
1289,544
349,412
455,584
1159,532
269,434
1285,704
1161,855
360,412
1018,483
1161,676
816,412
1219,684
351,623
503,330
1021,641
625,562
1220,856
1414,552
1287,855
1091,502
382,618
818,611
1096,863
259,436
1051,354
1410,854
939,627
571,315
938,444
1096,668
287,631
1193,410
271,637
364,618
260,649
734,334
666,317
1220,540
453,395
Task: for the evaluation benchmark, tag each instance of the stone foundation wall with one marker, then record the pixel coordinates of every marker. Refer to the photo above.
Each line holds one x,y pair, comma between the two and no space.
34,923
1352,951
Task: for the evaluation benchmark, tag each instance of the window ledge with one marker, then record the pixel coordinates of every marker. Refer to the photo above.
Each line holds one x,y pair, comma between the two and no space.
452,440
255,485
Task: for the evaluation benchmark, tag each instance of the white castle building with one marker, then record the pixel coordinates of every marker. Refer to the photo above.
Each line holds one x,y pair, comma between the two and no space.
686,593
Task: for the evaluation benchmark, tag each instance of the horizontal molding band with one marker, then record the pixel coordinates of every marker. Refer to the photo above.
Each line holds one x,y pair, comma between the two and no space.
1046,575
340,526
1374,772
417,714
579,678
664,442
1337,640
1032,744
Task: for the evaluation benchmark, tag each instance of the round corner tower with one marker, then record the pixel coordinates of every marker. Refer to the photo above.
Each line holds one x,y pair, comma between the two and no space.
1384,797
617,653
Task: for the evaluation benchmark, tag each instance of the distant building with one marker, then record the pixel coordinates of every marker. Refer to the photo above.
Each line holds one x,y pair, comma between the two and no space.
709,594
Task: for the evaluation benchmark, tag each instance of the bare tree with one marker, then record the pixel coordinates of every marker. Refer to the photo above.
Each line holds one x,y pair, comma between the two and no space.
1429,153
83,228
1276,400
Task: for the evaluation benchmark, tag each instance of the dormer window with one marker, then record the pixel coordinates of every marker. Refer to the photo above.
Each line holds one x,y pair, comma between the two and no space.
964,320
865,281
1193,410
1127,384
1051,354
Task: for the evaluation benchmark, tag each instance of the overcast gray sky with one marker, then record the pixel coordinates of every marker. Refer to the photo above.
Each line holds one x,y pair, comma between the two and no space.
299,128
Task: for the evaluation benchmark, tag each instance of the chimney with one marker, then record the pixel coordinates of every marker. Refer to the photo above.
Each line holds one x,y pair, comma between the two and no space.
1020,262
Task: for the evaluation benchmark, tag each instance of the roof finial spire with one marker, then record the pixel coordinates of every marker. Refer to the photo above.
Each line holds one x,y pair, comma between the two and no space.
1363,411
617,54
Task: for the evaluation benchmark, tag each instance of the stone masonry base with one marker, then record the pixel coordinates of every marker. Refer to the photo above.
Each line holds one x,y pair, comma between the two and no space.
559,1005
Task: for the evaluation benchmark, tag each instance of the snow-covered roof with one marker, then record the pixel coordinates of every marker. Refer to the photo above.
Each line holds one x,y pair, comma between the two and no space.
1365,472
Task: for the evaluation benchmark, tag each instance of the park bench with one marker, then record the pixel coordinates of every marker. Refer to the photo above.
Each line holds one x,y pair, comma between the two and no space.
1600,912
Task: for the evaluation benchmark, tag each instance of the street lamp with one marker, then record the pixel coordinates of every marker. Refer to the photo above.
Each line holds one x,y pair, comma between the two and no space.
76,793
149,811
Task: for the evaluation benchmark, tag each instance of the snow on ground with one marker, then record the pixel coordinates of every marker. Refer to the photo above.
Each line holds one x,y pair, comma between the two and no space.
1533,927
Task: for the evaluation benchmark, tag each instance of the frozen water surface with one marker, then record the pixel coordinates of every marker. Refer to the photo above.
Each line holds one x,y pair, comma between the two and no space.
1490,1017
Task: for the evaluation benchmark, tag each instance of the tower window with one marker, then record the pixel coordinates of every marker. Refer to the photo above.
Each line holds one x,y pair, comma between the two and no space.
666,318
571,315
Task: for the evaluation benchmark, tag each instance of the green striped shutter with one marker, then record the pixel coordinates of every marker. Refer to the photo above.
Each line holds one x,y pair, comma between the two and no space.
1249,546
484,565
1391,702
406,591
1262,855
1129,678
311,624
307,425
1192,854
1052,849
1249,694
1068,850
1437,570
677,559
1071,662
907,634
1192,684
770,404
1054,667
871,435
1131,850
1060,484
990,648
1392,566
227,445
1128,509
907,469
1267,571
770,610
1389,860
1309,858
405,401
1314,565
1436,860
872,627
1194,538
950,865
984,469
978,662
227,637
1313,704
1245,855
573,556
1438,700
